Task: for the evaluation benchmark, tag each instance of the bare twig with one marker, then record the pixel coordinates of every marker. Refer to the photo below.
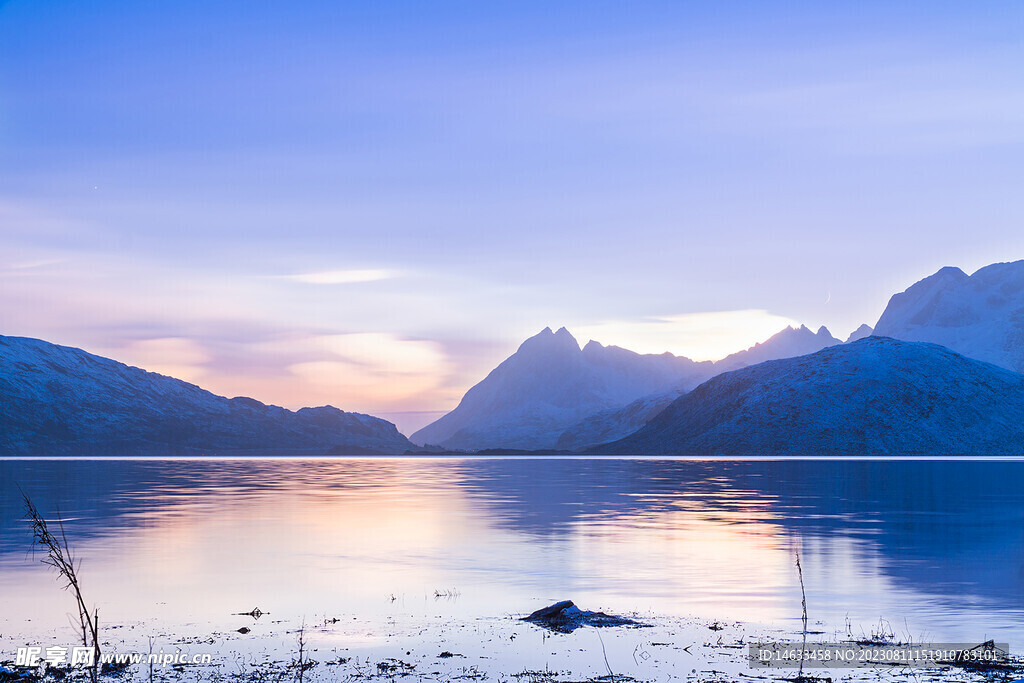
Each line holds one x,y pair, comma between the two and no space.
605,654
301,662
59,557
803,604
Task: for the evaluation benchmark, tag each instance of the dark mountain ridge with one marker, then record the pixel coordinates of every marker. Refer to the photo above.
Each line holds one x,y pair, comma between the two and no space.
57,400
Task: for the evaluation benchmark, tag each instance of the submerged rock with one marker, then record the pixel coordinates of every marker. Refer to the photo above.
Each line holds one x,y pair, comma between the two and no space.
566,617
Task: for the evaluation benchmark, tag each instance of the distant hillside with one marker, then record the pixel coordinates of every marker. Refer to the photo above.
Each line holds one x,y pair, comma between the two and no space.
550,384
616,423
876,396
980,316
56,400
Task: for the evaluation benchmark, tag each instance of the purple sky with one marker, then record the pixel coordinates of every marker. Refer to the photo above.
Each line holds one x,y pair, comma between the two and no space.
371,204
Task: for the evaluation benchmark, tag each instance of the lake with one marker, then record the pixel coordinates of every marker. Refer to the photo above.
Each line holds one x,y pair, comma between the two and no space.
933,550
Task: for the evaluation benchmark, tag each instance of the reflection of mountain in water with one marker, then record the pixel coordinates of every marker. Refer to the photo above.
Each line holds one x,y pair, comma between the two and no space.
101,497
944,527
952,528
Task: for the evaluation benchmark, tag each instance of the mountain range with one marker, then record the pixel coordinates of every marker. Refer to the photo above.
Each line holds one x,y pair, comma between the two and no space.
875,396
550,384
550,394
939,373
56,400
980,316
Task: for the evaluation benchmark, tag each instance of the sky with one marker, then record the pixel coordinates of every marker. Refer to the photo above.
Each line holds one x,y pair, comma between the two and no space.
370,205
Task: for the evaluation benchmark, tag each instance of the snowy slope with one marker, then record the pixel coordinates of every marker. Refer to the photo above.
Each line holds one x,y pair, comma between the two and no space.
56,400
980,316
876,396
550,384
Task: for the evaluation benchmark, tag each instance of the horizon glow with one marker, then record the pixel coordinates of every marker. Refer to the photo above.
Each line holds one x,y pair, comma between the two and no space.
697,336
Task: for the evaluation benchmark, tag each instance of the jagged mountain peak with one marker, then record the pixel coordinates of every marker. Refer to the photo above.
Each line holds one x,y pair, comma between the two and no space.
548,341
980,316
550,384
788,342
861,332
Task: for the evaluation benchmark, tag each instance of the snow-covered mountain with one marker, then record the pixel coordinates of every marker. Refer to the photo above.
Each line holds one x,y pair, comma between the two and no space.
609,425
550,384
980,316
864,330
790,342
876,396
616,423
552,394
56,400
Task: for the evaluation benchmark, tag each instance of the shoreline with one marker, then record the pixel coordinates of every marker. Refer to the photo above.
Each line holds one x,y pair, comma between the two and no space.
504,649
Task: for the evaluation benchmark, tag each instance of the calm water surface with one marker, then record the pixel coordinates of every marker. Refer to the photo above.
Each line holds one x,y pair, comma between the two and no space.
935,548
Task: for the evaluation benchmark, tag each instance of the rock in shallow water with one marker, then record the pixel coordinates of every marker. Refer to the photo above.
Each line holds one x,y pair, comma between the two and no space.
566,617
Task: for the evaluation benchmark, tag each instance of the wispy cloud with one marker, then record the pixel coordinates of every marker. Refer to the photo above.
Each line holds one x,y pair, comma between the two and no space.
33,265
343,277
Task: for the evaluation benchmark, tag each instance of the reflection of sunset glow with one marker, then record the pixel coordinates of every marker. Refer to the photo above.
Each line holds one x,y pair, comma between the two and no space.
331,548
708,564
344,536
